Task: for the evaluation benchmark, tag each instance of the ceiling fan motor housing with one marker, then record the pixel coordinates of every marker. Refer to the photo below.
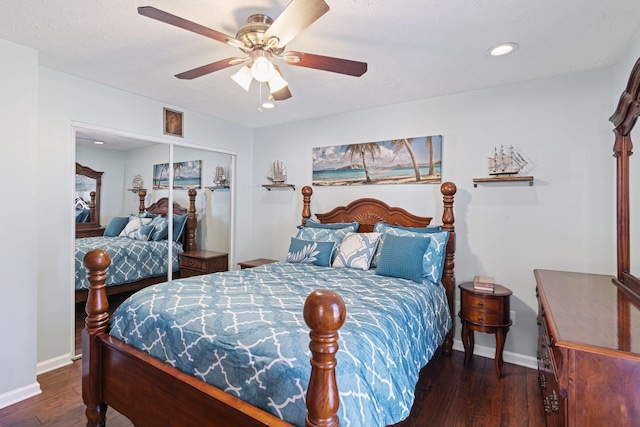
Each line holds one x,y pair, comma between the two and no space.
252,34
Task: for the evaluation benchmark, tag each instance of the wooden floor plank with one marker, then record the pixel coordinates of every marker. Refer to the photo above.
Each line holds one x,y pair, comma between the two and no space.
447,394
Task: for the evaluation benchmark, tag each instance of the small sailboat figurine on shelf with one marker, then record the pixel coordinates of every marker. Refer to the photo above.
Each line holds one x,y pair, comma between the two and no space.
278,173
506,162
220,178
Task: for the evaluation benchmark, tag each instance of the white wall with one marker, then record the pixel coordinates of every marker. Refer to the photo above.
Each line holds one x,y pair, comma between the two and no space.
63,99
18,222
562,222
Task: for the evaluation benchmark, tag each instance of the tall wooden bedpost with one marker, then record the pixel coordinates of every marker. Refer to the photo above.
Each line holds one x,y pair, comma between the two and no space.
142,195
191,222
96,323
92,206
306,203
324,313
448,190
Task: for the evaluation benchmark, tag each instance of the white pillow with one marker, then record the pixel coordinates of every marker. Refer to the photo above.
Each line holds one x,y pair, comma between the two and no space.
356,250
133,225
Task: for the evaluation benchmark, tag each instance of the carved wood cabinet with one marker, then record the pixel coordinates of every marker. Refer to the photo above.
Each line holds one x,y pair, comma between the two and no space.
588,350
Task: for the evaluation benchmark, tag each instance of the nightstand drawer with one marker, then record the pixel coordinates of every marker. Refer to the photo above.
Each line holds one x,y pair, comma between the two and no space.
484,317
488,304
193,263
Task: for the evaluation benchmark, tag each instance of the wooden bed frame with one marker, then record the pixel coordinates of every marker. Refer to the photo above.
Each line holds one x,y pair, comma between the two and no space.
150,392
624,119
188,239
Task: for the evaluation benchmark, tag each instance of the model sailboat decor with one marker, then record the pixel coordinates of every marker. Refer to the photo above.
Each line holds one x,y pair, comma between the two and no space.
504,166
277,173
220,177
506,162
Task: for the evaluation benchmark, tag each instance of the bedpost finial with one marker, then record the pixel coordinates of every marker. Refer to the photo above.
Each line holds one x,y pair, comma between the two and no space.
324,311
142,193
192,192
448,188
307,191
97,259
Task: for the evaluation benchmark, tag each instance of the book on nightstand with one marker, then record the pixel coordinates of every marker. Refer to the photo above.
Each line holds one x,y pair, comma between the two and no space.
483,283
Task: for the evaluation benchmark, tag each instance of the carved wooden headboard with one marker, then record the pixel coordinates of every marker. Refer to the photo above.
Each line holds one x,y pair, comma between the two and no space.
161,207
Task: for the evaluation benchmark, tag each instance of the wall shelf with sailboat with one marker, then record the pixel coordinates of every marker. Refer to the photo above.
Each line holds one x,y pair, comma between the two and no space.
220,180
278,175
504,166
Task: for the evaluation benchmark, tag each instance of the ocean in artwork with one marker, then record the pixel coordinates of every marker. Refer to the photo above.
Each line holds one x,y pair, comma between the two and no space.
384,162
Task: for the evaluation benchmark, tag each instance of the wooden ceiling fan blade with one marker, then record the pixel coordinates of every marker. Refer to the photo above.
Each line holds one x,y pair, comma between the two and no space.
326,63
159,15
209,68
282,94
297,16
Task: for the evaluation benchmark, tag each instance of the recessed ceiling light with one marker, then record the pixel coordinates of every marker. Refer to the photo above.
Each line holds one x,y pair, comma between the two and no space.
98,142
503,49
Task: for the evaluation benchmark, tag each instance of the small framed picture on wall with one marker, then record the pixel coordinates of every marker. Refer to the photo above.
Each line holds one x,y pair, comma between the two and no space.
173,123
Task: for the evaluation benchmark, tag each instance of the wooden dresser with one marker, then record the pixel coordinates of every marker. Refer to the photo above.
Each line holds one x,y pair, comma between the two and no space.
588,350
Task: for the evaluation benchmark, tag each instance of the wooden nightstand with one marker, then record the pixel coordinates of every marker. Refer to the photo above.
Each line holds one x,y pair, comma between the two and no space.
484,312
196,263
255,262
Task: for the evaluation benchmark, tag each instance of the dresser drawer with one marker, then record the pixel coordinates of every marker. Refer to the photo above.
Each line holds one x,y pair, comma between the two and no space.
192,263
488,305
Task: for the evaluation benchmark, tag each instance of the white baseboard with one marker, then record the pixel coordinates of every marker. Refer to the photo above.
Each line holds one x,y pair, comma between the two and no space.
19,394
55,363
509,357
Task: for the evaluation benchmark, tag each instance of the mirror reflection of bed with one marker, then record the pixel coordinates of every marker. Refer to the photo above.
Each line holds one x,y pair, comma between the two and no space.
122,158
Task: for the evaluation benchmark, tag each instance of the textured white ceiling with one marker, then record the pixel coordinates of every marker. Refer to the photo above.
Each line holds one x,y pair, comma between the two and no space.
415,48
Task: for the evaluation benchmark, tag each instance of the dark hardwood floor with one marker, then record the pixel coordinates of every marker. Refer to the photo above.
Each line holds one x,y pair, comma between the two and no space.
446,395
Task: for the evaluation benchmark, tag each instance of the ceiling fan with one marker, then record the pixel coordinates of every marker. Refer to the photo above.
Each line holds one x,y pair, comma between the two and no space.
262,39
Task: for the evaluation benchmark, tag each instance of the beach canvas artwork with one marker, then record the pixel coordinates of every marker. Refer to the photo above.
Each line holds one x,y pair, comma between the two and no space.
186,175
415,160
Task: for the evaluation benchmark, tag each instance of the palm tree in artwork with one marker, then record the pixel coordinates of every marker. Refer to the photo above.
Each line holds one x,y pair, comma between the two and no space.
398,145
429,144
362,150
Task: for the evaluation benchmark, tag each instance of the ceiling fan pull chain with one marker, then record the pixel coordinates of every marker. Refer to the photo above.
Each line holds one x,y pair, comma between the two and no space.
260,98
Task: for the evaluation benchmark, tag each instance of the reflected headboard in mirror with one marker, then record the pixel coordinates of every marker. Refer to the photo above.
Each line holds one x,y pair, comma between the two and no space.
624,119
87,197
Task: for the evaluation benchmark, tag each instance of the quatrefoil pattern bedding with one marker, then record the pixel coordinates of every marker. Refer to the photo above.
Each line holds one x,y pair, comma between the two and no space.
244,332
131,259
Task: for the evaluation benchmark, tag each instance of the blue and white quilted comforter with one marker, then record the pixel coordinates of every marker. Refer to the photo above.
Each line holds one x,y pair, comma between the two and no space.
131,259
244,332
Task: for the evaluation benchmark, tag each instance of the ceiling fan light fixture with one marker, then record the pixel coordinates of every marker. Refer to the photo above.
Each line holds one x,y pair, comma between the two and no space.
262,69
243,77
277,82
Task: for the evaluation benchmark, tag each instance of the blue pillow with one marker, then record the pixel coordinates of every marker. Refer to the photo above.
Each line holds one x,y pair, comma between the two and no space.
308,251
434,257
433,229
401,256
143,215
143,232
332,226
179,222
115,226
160,228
